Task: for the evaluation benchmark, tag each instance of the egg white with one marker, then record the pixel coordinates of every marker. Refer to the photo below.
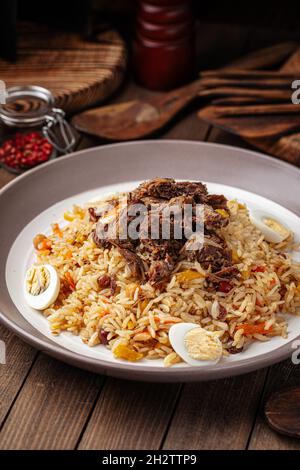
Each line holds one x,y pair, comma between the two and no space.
46,298
270,235
176,336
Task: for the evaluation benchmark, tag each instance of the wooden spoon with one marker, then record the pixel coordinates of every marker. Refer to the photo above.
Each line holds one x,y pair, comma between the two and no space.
137,119
282,412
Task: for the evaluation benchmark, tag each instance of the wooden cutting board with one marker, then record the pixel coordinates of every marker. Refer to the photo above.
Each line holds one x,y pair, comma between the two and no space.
79,72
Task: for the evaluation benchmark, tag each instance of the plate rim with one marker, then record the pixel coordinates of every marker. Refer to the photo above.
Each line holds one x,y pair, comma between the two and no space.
273,160
127,370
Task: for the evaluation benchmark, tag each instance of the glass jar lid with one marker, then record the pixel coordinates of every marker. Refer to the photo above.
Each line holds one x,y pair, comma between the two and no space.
26,106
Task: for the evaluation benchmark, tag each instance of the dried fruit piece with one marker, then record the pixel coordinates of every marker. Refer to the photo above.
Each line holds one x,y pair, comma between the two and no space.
38,239
143,304
130,290
69,216
189,275
103,336
104,281
42,243
225,287
124,352
223,213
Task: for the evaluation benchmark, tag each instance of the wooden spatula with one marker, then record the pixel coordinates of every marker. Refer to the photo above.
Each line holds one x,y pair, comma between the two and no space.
137,119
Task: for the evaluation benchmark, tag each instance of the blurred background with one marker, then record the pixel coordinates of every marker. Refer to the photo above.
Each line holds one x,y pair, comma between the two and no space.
97,52
265,25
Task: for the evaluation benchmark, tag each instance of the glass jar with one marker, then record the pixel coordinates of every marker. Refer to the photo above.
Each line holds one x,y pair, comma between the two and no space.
33,130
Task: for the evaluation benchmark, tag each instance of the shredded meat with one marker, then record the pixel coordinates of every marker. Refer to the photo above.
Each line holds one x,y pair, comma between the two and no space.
160,271
134,262
234,350
217,201
153,258
167,188
225,274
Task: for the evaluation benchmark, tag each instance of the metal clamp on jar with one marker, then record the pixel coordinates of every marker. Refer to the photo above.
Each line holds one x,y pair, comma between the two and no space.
33,107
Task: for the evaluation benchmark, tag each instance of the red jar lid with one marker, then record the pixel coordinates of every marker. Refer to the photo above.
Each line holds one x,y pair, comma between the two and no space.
164,14
164,32
165,2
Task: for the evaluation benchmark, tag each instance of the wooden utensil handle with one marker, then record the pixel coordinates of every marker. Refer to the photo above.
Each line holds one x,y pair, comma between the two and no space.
257,110
245,73
276,83
280,95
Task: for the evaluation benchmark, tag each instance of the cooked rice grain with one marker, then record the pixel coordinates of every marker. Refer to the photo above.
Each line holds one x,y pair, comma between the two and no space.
140,316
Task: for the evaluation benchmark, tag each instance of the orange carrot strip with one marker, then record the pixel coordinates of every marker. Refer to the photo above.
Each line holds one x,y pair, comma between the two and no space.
57,231
250,329
70,281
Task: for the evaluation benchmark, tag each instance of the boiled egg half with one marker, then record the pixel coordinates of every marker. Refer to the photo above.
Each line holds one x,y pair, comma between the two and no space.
195,345
41,286
273,230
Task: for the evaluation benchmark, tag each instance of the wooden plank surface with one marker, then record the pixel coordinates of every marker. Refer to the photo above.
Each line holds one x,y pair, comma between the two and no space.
19,359
52,408
216,415
280,376
130,415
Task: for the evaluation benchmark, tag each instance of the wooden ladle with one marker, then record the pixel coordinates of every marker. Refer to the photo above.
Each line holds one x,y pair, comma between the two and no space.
282,411
137,119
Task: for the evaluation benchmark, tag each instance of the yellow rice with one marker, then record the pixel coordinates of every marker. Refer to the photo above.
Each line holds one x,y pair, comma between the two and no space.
140,316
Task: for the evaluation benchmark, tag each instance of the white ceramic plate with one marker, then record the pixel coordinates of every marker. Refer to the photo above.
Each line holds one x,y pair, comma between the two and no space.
22,249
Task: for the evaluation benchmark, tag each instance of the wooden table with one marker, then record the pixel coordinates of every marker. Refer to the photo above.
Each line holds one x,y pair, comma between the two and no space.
45,404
